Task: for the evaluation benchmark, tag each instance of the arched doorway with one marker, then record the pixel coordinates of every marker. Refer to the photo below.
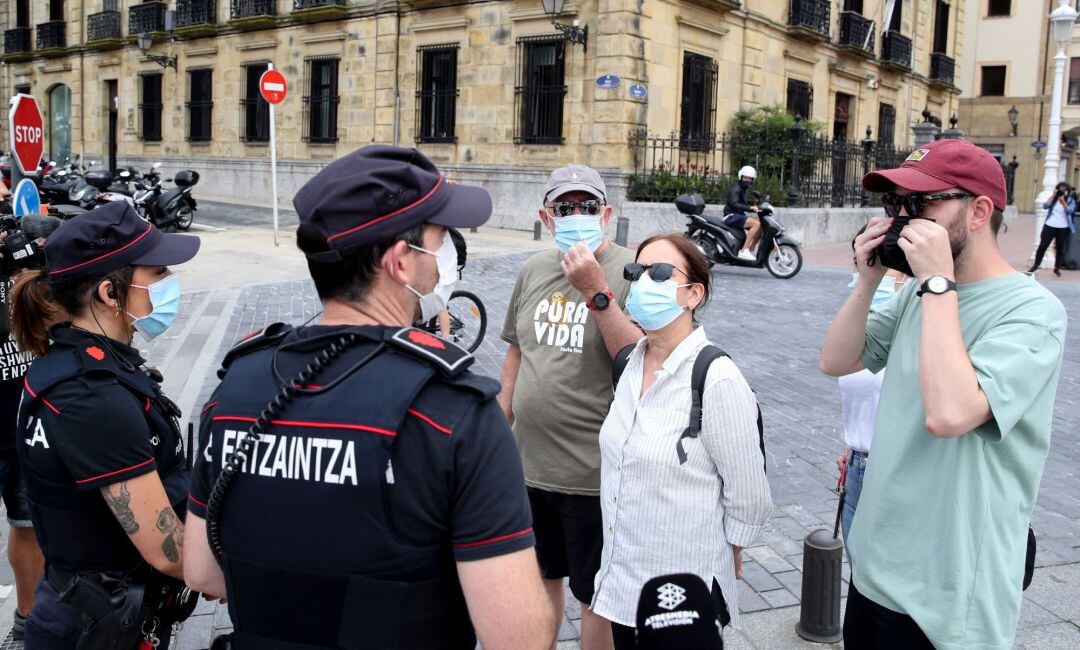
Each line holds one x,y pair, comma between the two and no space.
59,123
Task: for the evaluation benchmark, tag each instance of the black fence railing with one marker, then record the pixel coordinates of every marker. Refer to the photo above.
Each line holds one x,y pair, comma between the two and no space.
102,26
857,32
896,50
810,14
253,8
315,4
147,17
190,13
52,34
942,68
794,169
18,40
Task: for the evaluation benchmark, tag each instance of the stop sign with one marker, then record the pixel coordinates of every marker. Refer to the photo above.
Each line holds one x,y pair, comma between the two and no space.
27,133
272,86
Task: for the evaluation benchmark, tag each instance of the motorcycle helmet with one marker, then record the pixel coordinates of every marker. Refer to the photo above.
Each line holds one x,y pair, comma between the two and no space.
749,172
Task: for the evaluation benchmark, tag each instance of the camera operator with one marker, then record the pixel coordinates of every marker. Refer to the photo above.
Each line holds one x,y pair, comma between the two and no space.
1058,227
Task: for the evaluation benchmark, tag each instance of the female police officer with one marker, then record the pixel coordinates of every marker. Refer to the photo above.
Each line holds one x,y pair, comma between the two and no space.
98,441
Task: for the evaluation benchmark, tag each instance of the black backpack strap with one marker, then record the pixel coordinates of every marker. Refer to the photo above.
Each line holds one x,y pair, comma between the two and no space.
269,336
618,364
704,359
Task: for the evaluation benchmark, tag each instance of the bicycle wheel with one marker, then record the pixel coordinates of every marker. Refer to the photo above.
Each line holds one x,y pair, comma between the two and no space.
468,320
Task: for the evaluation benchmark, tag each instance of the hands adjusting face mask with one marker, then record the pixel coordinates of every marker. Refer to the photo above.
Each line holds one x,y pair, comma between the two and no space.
446,258
570,230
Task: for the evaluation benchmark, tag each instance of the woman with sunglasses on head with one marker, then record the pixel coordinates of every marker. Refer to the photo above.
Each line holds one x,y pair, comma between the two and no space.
676,503
98,441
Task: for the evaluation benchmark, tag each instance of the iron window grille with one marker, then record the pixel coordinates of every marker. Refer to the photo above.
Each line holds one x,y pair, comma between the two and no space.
146,17
436,92
150,107
195,12
103,25
201,104
800,98
321,102
697,123
886,124
254,110
540,91
253,8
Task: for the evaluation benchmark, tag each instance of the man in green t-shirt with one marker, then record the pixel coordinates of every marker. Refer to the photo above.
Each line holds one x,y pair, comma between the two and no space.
564,324
974,352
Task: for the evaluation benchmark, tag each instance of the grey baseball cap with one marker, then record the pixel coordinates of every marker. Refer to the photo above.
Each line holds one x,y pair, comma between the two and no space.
575,178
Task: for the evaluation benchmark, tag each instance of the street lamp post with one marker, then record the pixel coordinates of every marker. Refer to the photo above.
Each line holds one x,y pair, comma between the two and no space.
573,33
1062,20
145,42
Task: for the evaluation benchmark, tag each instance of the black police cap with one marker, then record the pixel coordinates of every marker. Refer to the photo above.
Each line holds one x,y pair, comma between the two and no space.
110,238
377,193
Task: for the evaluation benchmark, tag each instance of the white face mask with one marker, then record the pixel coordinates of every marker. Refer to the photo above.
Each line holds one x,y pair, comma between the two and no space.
446,258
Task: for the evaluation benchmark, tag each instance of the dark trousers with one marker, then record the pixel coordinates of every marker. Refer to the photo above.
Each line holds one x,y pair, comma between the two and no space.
869,626
1060,237
625,637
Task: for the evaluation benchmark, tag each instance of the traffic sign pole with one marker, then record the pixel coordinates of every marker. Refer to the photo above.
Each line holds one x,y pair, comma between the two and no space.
273,87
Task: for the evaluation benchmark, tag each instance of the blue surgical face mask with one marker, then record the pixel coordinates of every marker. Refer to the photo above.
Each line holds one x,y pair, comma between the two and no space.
165,300
885,290
571,230
654,304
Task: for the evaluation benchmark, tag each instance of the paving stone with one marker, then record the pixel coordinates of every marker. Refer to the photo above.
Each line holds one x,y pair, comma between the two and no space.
779,598
758,578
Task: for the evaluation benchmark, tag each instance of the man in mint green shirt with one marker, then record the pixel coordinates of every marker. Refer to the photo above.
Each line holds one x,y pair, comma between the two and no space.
974,353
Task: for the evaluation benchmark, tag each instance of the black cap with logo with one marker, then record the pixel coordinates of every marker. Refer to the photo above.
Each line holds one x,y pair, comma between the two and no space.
677,611
377,193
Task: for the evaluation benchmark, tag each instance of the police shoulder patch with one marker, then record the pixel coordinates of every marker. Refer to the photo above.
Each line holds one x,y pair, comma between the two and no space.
447,356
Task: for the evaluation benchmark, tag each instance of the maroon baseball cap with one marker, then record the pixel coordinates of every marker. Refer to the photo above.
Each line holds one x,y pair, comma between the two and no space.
941,165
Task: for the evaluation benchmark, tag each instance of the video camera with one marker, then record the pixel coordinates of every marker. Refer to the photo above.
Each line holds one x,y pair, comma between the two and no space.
20,249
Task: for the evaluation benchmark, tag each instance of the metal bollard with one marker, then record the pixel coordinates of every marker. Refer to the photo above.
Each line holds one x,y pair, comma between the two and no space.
819,614
536,230
622,230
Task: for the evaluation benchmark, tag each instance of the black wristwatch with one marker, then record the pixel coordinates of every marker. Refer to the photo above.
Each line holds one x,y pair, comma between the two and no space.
600,301
937,284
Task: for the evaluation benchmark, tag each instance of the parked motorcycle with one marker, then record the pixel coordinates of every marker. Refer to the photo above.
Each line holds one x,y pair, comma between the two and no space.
172,209
720,243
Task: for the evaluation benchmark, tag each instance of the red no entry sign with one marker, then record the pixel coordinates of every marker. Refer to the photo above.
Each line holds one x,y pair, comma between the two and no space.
27,133
272,86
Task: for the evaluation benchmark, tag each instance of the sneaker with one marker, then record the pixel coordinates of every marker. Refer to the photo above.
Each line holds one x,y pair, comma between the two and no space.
747,255
18,630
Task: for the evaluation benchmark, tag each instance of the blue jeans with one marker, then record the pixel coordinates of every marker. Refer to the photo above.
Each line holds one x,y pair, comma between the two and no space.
856,470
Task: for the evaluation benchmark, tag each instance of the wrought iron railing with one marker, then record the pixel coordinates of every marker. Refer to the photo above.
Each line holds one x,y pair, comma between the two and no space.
253,8
52,34
18,40
147,17
810,14
190,13
942,68
857,31
314,4
896,49
794,169
103,25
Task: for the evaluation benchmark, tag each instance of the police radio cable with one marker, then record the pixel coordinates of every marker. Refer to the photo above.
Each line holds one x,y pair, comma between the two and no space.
290,390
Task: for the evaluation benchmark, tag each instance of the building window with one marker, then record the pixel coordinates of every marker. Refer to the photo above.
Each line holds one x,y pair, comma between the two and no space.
886,119
697,124
800,98
540,90
999,8
22,89
993,81
321,102
200,104
150,108
254,110
941,27
995,150
436,92
1074,81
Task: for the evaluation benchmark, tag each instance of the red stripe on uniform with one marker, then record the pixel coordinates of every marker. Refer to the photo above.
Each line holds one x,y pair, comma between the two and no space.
392,214
147,404
208,407
434,424
119,471
314,425
196,501
26,383
495,539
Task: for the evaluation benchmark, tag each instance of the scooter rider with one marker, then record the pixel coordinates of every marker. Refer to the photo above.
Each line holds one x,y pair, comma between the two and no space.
359,486
737,207
98,441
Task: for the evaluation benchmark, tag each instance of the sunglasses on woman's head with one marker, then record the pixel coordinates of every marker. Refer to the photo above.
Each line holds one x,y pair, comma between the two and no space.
567,208
914,204
659,272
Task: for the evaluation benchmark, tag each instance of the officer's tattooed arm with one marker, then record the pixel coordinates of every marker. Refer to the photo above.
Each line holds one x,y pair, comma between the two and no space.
143,511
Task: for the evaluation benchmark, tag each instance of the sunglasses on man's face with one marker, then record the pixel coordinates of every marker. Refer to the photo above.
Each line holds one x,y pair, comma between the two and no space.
915,204
659,272
567,208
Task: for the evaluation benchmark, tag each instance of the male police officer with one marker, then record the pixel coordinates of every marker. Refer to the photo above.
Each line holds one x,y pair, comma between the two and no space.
384,483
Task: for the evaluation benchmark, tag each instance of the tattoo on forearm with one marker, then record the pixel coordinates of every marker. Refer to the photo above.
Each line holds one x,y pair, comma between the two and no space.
170,524
120,504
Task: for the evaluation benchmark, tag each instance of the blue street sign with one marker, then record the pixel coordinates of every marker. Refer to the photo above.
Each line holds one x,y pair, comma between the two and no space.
1038,144
638,91
608,81
26,199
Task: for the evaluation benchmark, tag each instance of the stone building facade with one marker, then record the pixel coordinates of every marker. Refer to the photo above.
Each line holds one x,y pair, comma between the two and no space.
489,90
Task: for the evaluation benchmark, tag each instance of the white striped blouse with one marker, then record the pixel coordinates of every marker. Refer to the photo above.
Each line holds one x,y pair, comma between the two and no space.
661,517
